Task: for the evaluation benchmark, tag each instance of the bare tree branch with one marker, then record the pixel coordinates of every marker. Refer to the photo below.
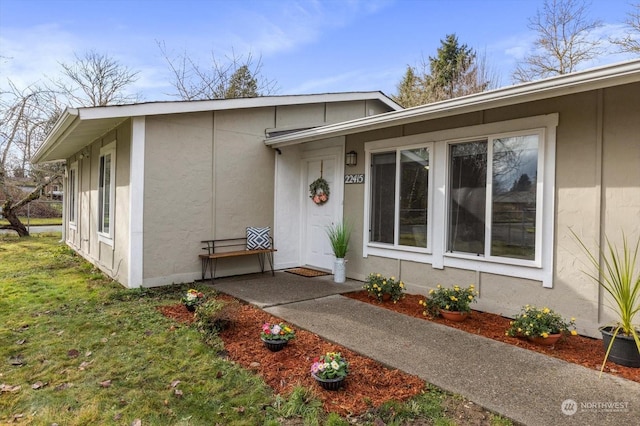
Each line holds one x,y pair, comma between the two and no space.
565,40
631,42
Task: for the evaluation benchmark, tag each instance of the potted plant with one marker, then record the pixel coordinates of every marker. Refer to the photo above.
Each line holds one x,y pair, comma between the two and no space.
616,273
383,288
276,336
330,370
451,303
541,326
339,235
192,299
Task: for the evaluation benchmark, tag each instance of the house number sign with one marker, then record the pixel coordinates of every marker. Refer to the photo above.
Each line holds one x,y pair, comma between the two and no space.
359,178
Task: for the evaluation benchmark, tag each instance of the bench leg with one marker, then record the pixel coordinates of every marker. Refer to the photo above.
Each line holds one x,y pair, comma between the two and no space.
261,261
205,266
270,257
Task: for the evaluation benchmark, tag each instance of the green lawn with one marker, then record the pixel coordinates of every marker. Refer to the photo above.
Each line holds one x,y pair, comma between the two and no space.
78,349
36,221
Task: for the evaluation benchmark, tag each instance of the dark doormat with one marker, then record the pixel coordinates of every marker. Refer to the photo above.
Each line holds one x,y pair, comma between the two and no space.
307,272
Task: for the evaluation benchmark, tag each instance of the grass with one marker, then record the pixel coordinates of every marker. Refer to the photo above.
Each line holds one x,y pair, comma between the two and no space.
78,349
36,221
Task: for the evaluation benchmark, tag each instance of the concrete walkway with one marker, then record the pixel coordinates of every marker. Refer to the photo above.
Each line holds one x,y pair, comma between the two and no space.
525,386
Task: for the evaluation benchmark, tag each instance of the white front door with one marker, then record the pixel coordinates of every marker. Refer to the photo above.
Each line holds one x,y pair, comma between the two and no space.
316,250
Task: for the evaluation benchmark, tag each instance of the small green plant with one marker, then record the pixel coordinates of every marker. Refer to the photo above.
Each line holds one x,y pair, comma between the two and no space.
339,235
617,275
280,331
192,298
214,316
378,286
330,366
535,322
455,299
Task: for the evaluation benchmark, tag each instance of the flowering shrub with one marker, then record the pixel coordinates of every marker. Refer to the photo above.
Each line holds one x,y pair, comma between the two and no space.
450,299
192,298
330,366
535,322
377,286
279,331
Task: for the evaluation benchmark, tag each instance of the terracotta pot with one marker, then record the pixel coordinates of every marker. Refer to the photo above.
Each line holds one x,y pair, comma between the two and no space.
329,384
549,341
274,345
386,297
454,315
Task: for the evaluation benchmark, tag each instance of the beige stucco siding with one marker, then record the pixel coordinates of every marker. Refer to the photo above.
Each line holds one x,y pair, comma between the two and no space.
177,195
110,258
597,190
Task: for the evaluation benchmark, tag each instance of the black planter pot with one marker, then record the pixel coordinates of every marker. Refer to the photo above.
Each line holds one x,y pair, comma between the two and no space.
274,345
191,308
624,350
329,384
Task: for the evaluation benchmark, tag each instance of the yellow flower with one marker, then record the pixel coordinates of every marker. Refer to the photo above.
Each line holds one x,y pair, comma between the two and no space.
574,333
470,297
573,319
384,282
424,313
447,307
524,315
545,335
439,286
546,310
393,278
401,284
378,275
456,288
519,330
455,299
539,315
472,286
431,291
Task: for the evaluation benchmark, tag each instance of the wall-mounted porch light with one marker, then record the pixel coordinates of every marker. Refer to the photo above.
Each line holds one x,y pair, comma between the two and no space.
351,158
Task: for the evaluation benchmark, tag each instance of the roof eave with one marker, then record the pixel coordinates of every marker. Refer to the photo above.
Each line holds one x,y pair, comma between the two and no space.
596,78
65,124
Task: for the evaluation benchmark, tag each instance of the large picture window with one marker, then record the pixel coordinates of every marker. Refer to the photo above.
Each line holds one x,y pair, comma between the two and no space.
492,197
400,197
106,190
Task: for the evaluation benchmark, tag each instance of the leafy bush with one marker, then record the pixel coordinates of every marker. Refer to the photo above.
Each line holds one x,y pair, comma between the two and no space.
534,322
456,299
378,286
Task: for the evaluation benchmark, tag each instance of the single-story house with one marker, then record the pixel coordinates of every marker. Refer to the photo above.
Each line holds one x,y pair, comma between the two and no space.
483,189
146,183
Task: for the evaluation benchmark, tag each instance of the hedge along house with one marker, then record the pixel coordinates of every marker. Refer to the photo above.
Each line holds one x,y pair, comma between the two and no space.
145,183
482,189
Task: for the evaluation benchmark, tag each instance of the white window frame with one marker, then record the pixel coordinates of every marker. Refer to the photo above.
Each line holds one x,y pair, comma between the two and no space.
488,139
541,269
107,237
378,248
73,193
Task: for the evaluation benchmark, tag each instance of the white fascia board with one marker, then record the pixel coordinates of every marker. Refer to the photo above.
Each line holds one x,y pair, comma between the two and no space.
63,126
597,78
178,107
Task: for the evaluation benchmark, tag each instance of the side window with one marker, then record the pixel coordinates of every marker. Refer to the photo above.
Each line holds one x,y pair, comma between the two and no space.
106,190
72,194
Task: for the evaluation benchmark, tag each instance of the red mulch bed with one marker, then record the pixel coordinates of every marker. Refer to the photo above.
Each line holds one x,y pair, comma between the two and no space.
369,383
581,350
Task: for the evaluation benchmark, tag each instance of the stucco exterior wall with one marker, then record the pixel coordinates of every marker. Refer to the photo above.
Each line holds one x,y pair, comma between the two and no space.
209,175
111,259
597,191
178,201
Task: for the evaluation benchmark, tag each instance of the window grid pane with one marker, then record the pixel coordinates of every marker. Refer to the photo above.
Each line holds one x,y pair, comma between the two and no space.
383,195
467,198
414,191
513,207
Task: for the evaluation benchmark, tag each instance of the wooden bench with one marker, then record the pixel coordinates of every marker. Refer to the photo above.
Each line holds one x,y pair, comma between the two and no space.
232,247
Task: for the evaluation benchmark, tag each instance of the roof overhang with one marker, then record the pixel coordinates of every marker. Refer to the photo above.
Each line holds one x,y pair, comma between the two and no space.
596,78
78,127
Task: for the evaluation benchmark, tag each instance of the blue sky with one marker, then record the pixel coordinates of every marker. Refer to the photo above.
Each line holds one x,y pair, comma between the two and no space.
306,46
